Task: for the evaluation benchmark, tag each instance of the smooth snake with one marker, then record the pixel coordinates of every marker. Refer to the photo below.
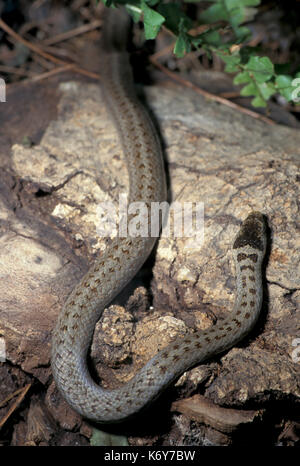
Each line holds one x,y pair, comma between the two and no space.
120,262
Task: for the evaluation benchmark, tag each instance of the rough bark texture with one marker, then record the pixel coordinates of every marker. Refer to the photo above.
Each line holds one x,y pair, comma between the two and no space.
215,155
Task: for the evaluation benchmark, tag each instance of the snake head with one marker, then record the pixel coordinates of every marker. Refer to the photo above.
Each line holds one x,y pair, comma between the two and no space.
252,233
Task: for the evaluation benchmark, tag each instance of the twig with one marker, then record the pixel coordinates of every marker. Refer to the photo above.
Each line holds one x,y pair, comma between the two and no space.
28,44
47,74
291,108
174,76
13,70
22,392
57,70
89,74
73,32
193,32
37,49
208,95
230,95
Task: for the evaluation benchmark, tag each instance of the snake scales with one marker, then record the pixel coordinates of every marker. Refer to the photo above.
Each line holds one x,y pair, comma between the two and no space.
121,261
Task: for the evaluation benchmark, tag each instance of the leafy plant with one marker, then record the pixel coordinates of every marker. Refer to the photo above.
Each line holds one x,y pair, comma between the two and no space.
224,18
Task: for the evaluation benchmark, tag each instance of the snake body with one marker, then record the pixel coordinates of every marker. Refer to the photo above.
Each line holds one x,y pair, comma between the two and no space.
120,262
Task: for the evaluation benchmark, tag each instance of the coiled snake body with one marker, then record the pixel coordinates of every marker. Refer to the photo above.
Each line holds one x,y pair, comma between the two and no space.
117,266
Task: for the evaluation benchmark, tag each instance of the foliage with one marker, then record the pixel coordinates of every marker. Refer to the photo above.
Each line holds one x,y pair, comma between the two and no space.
225,35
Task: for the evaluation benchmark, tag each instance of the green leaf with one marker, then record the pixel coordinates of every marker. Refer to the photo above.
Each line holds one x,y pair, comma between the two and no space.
107,2
242,34
214,13
236,17
242,78
250,89
174,17
266,89
261,68
152,21
261,79
261,91
284,85
152,2
134,12
258,102
182,45
210,38
198,1
283,80
230,4
232,60
235,12
295,94
239,13
231,67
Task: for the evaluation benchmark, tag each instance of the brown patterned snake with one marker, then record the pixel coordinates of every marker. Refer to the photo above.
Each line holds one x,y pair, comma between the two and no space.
121,261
